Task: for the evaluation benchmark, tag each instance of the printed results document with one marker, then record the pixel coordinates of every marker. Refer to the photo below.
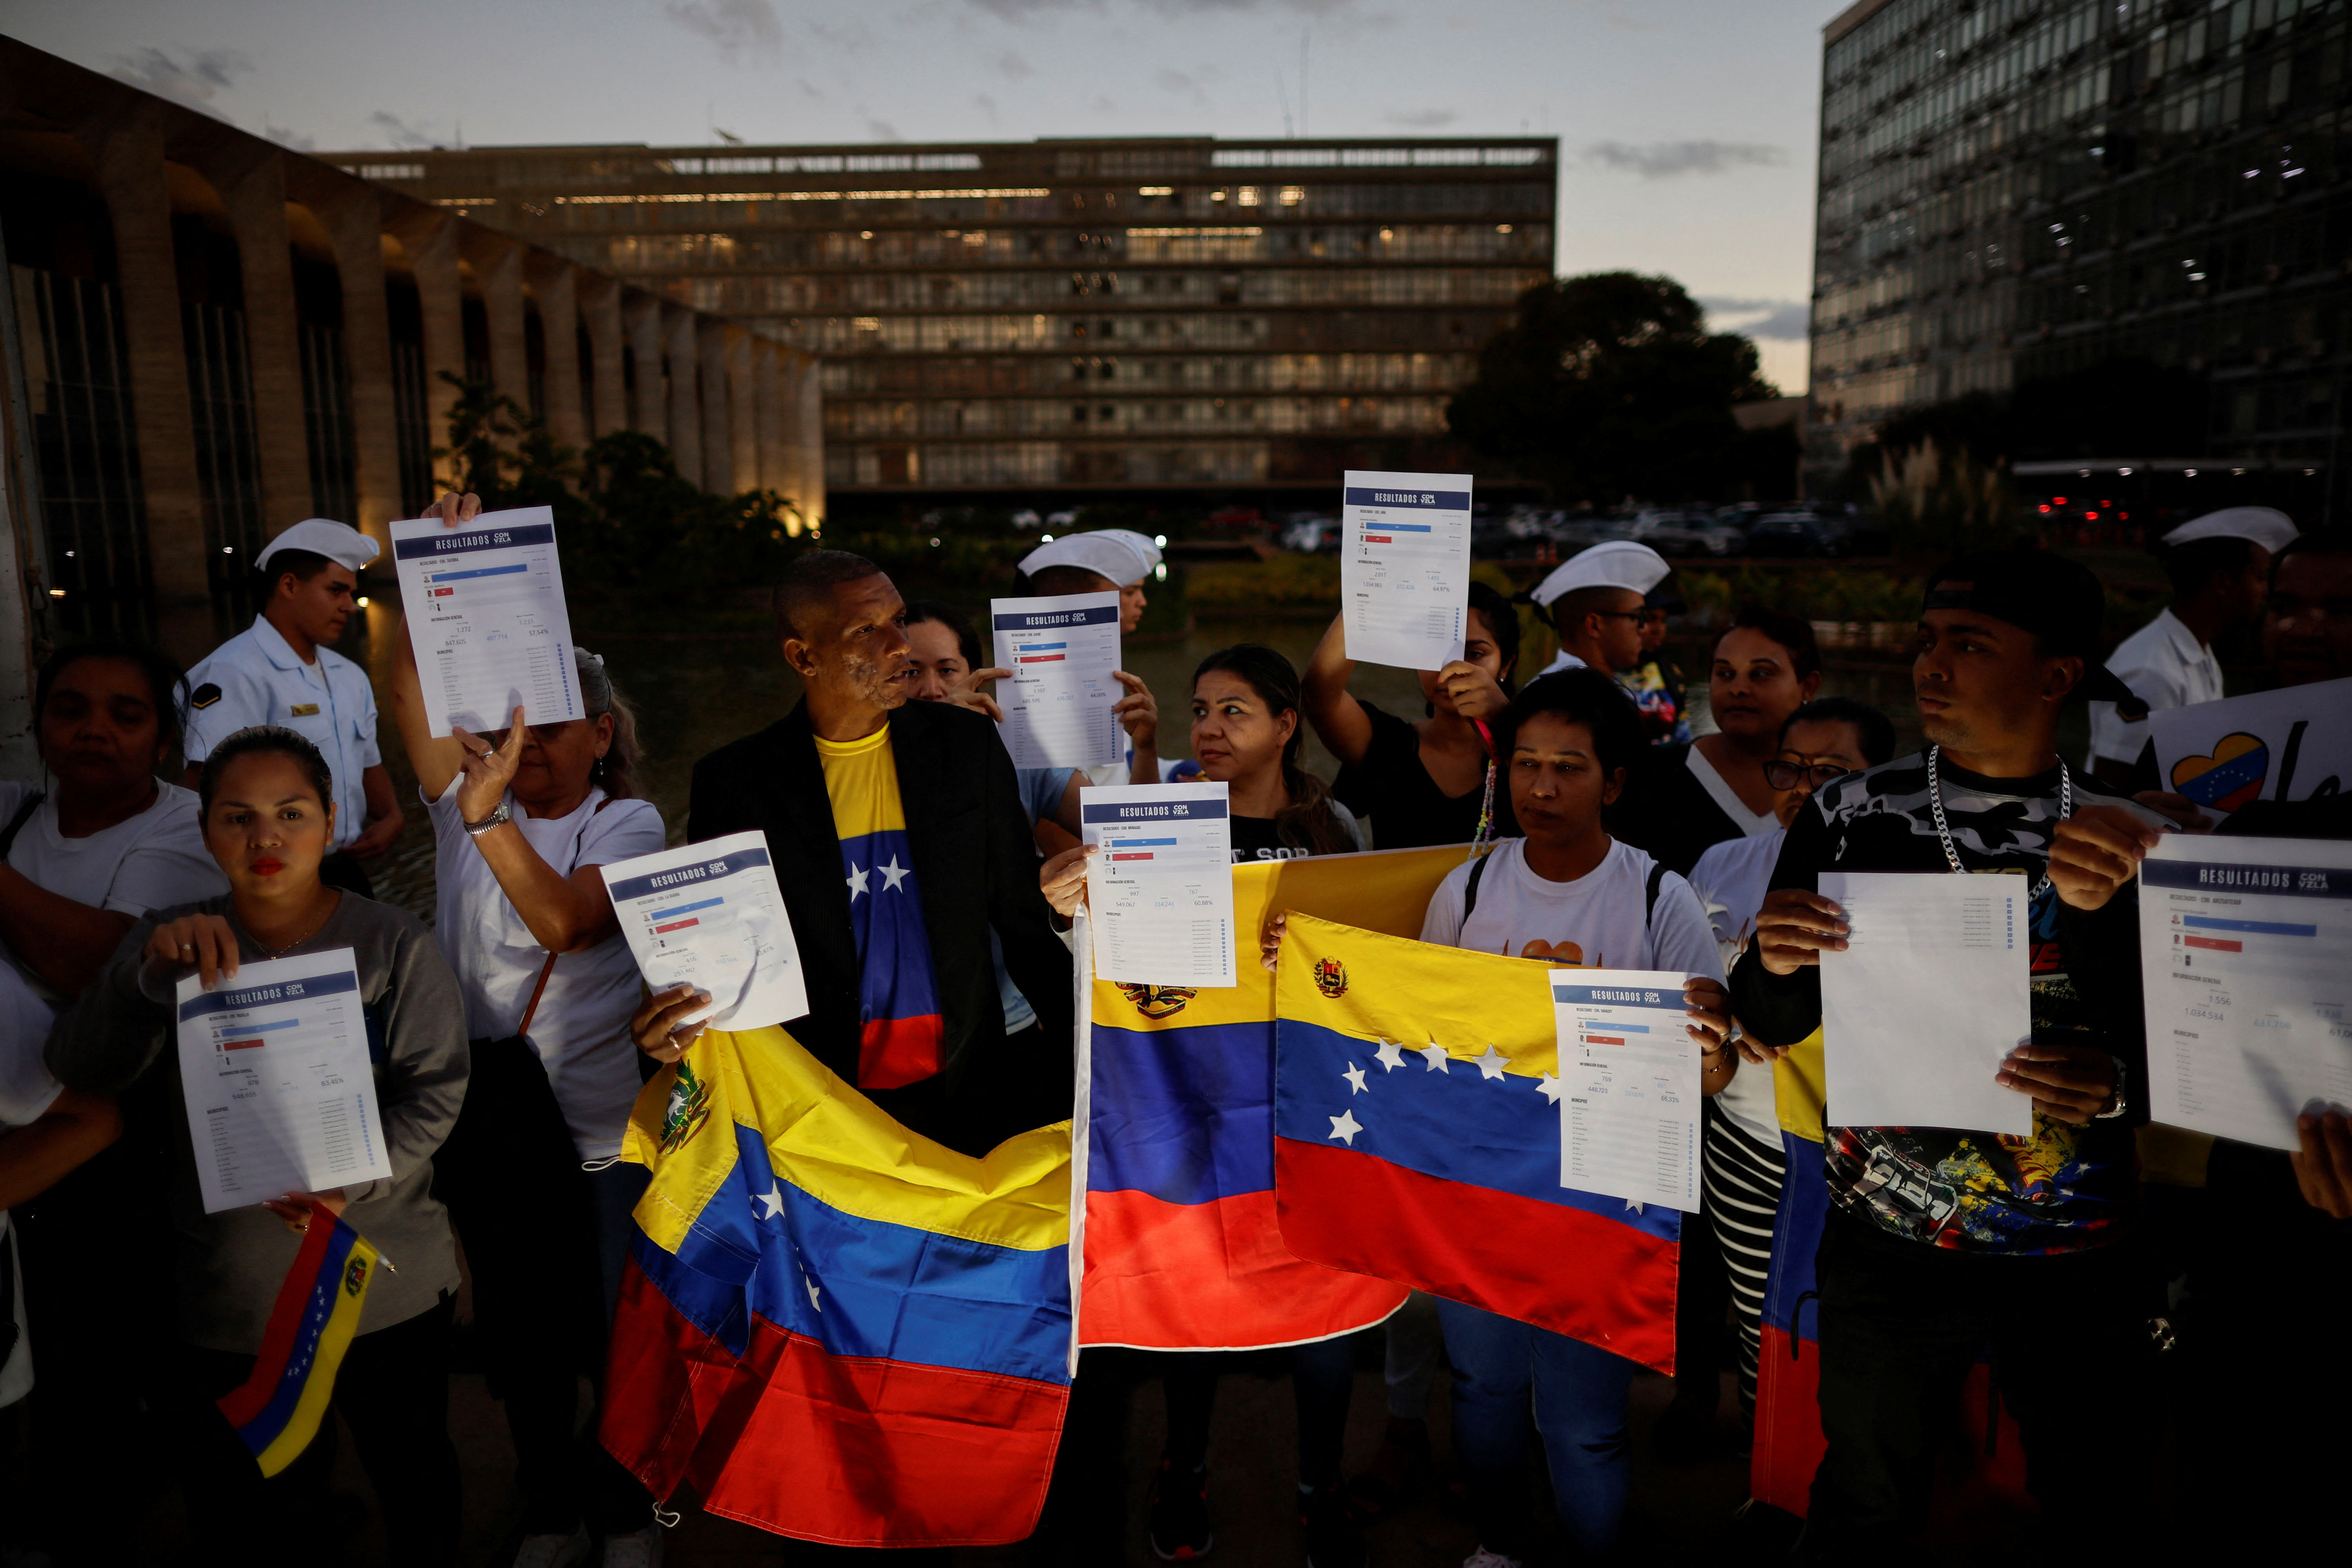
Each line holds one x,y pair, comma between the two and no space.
2244,945
1630,1095
1932,992
1159,895
1404,567
1057,706
711,915
487,619
274,1067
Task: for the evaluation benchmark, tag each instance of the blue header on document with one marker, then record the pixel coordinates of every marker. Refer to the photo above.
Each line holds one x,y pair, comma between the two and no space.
304,990
1139,811
1435,500
1049,620
686,875
2222,876
486,538
1617,996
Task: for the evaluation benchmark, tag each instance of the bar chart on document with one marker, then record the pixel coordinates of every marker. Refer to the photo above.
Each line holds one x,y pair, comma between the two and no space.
487,619
1160,889
1404,567
1057,706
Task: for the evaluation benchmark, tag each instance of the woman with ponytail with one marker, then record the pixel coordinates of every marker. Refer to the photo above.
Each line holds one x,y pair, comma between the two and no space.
524,819
1248,731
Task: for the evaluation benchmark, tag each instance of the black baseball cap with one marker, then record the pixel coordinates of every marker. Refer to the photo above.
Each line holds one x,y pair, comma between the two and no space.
2058,600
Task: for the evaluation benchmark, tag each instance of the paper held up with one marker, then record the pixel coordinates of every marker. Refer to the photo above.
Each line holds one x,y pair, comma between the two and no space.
1932,992
1160,889
1404,567
487,619
274,1070
2244,945
1629,1091
711,915
1057,705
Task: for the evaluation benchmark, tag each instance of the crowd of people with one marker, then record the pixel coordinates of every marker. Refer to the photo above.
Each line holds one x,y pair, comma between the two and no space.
930,886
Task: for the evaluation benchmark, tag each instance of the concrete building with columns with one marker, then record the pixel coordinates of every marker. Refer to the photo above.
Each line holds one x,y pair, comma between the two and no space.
208,336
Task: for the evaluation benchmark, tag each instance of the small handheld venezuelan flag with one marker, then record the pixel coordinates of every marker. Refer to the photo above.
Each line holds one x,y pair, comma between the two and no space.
279,1409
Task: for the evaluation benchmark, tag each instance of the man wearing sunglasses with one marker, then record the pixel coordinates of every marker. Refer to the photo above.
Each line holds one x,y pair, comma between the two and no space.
1743,1168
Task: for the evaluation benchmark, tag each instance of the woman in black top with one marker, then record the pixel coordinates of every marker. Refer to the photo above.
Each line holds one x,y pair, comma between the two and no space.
1246,732
1422,780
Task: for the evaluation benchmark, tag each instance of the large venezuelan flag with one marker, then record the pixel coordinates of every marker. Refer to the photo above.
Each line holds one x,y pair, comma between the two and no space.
1789,1442
900,1025
277,1410
1182,1247
1417,1129
835,1329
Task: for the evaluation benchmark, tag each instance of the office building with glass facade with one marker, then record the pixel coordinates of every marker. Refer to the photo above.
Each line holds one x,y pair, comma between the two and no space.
2024,190
1180,313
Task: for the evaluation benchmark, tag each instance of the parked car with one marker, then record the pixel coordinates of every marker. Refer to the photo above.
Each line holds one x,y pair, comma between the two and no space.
1799,534
1688,533
1026,519
1309,534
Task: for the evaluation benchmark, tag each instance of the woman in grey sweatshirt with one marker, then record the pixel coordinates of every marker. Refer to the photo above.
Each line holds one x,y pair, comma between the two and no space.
268,821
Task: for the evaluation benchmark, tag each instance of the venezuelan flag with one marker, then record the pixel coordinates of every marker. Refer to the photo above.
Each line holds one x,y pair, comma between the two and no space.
1789,1442
278,1408
900,1025
1182,1247
833,1327
1417,1131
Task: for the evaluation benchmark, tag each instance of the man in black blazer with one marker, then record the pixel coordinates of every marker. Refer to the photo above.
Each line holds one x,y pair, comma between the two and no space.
970,849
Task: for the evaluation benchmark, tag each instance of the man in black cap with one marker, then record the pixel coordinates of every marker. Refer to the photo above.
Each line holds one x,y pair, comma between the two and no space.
1940,1244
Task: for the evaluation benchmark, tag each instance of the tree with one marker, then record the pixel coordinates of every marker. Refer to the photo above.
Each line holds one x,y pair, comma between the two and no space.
1609,385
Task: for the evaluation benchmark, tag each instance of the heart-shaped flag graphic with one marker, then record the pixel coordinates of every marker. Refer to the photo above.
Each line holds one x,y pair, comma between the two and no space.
1566,952
2228,779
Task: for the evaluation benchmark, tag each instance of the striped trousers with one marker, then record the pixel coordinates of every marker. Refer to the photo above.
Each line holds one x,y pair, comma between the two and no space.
1743,1195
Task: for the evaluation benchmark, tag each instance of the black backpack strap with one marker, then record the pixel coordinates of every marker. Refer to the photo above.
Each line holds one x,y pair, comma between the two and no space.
16,823
1470,893
1650,893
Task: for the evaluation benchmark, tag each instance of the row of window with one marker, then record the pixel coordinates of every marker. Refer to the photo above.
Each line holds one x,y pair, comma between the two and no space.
1008,417
1403,329
964,247
850,466
758,294
1333,373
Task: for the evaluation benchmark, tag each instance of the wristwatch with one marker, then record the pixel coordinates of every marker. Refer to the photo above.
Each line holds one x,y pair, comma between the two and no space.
2118,1108
499,815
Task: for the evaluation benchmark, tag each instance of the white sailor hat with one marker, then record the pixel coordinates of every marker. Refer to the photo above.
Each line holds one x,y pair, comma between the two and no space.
2271,530
1617,564
338,542
1116,554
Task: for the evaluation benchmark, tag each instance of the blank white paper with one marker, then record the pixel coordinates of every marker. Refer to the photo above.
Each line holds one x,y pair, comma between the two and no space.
1931,993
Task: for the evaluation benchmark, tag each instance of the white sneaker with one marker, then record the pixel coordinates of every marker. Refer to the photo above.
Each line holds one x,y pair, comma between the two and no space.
638,1549
1482,1558
553,1551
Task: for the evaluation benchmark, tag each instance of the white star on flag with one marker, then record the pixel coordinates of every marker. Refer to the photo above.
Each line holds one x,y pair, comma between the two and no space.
1355,1077
814,1302
772,1203
893,874
1434,1058
1344,1127
1550,1088
1634,1203
1492,1062
856,880
1391,1056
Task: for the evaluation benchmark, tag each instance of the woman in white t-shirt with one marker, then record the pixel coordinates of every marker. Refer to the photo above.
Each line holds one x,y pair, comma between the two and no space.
98,843
1744,1165
523,820
1566,893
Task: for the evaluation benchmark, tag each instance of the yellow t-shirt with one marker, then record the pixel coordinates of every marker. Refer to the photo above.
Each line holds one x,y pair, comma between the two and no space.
900,1027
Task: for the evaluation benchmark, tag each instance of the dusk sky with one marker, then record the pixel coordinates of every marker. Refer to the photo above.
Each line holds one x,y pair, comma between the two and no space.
1687,128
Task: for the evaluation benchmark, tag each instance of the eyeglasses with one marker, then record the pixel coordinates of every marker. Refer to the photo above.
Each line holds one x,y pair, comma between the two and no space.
1785,775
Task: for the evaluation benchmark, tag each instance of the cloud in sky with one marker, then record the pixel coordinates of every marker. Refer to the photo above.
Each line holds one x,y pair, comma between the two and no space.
1169,79
192,76
1029,10
1422,119
738,29
1012,66
882,130
1780,320
1666,160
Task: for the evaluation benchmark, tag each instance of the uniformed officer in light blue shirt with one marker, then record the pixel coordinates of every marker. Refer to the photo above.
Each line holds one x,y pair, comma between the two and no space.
282,671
